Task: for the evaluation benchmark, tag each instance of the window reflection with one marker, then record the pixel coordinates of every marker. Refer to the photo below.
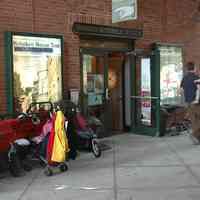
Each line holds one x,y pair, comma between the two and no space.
146,91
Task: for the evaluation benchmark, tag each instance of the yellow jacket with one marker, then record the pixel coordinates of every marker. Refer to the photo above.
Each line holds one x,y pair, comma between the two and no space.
60,144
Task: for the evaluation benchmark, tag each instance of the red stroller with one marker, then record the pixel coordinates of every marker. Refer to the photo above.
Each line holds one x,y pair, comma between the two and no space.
80,134
86,138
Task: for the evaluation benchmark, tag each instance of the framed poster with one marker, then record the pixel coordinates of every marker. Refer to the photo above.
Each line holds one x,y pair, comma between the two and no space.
35,69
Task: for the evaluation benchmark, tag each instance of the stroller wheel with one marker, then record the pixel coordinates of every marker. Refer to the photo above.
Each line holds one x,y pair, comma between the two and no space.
27,167
95,148
42,164
48,171
63,167
15,167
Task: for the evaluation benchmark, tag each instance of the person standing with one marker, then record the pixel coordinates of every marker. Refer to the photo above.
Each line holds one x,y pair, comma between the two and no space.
189,89
188,83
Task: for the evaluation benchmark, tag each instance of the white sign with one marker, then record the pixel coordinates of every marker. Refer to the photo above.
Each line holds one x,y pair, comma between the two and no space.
36,45
123,10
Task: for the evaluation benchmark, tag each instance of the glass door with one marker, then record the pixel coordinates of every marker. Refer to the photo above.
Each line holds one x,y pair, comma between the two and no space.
145,97
94,95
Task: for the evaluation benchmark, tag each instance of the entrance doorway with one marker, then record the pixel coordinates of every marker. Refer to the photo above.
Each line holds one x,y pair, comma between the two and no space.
145,98
104,82
102,89
115,89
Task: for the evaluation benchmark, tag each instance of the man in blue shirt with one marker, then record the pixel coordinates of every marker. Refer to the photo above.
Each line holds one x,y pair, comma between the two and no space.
188,83
190,88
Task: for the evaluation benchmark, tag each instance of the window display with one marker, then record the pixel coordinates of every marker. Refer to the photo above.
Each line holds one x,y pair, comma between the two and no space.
36,70
171,73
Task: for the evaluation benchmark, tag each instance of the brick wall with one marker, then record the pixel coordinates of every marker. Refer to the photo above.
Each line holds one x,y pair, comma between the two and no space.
52,17
161,20
170,21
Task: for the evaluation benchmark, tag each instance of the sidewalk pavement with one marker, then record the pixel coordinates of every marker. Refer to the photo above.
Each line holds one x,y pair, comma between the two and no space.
136,168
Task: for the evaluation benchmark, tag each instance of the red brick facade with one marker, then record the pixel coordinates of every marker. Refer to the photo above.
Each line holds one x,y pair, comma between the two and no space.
170,21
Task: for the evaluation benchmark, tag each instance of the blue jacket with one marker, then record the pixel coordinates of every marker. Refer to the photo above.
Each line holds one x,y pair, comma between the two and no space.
189,86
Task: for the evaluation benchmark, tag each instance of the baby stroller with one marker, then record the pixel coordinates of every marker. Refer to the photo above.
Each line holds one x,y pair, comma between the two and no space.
51,145
87,139
81,135
17,157
175,120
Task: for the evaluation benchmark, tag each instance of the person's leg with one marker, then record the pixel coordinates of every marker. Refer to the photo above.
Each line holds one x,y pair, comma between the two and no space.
193,111
194,139
197,97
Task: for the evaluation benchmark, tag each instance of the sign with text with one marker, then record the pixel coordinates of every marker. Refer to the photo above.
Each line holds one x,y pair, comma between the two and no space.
123,10
36,70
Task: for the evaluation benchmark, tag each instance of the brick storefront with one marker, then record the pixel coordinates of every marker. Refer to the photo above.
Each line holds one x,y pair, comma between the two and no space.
169,21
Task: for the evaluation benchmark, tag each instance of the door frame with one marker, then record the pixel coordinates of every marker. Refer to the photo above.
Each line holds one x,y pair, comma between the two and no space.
92,52
105,52
155,95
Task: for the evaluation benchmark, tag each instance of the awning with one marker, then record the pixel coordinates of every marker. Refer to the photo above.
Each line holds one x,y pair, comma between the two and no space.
106,31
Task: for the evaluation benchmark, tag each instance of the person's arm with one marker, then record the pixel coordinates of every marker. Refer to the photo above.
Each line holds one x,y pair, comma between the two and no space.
197,81
197,96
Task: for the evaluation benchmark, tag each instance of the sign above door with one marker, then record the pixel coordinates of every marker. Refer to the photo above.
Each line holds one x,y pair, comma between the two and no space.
106,31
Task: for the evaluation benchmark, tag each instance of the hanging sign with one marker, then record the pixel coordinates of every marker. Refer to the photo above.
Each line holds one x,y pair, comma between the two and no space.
123,10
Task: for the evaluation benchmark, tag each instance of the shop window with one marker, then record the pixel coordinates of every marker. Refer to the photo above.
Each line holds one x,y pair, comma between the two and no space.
37,67
123,10
171,73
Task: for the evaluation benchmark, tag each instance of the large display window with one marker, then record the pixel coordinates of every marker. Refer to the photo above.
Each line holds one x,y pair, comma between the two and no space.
156,80
171,74
36,69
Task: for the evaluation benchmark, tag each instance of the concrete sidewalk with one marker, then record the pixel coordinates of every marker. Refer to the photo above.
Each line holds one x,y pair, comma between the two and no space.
136,168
